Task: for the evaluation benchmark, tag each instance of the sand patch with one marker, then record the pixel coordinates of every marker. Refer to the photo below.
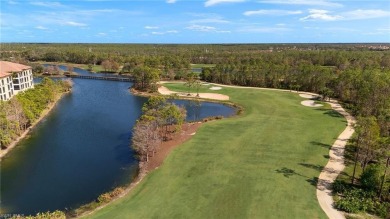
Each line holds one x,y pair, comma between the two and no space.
165,91
310,103
215,88
308,96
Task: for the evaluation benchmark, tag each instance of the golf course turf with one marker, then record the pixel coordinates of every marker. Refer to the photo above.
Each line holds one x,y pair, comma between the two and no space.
261,164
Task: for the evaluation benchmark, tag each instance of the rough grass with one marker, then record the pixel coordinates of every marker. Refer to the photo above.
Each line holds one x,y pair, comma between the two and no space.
262,164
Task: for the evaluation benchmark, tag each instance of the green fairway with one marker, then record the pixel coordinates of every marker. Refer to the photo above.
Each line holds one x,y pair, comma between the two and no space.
261,164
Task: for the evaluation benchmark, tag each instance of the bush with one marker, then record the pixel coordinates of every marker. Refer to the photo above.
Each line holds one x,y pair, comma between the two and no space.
108,196
339,186
45,215
371,178
356,200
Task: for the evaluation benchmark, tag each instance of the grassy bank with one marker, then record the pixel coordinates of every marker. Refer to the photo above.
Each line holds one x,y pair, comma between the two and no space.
262,164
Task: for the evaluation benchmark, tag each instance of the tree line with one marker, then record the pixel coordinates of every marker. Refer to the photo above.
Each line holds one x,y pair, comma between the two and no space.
21,111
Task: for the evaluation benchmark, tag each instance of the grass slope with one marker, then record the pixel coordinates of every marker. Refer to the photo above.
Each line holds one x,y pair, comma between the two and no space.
262,164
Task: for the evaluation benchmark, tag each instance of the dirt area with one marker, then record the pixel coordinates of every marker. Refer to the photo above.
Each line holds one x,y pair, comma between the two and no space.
188,130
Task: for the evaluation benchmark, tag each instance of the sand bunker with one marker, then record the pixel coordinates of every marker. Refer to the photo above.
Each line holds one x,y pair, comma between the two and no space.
215,88
310,103
165,91
205,84
308,96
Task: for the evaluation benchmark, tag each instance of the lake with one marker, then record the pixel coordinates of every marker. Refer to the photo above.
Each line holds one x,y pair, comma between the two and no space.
81,149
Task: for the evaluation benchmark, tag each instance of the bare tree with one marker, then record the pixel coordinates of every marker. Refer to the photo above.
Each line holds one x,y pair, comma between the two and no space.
146,139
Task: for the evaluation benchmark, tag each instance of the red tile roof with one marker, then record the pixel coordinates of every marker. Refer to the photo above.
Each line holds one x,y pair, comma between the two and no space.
6,68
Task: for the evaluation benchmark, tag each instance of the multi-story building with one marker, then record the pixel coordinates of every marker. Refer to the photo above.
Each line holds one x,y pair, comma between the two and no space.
6,87
14,78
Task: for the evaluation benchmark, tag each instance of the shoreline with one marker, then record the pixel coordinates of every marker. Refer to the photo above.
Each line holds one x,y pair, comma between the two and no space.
188,130
44,113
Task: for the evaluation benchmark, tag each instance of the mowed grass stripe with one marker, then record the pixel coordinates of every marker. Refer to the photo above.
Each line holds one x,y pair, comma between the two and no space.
261,164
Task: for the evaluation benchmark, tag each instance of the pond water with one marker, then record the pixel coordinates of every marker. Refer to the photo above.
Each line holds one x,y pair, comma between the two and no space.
81,149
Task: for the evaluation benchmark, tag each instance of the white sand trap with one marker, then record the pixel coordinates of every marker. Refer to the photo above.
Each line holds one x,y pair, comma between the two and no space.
165,91
308,96
205,84
310,103
215,88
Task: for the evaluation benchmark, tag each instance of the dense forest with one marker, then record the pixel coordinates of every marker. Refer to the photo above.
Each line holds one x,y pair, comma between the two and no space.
19,113
358,75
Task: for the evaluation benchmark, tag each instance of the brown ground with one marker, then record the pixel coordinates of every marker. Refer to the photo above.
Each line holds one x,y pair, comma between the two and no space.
166,147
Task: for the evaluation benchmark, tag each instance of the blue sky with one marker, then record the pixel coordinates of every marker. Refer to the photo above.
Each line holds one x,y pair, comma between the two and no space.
203,21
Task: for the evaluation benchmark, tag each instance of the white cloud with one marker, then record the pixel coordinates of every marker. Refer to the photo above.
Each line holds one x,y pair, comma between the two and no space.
41,27
215,2
47,4
255,29
101,34
271,12
209,20
72,23
165,32
384,29
223,31
151,27
202,28
324,3
365,14
171,1
315,14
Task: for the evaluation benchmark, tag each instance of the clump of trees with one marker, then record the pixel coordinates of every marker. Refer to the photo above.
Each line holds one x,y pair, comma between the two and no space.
17,114
371,156
52,70
146,78
160,120
110,66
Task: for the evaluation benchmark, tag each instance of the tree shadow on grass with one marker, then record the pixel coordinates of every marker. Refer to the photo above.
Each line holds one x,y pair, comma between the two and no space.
316,143
313,181
317,167
331,112
287,172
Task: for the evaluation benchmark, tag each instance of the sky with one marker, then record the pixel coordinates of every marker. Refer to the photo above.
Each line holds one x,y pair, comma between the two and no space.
202,21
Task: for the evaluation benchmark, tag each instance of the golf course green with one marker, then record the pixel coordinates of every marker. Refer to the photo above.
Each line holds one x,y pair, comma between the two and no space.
260,164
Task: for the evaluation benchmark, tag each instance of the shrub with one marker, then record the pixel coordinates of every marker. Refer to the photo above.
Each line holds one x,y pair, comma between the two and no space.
339,186
108,196
45,215
354,200
371,178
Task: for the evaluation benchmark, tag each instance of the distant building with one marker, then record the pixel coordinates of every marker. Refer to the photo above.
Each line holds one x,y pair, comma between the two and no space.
14,78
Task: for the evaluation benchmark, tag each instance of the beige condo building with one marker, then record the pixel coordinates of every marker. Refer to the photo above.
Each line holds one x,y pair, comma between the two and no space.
14,78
